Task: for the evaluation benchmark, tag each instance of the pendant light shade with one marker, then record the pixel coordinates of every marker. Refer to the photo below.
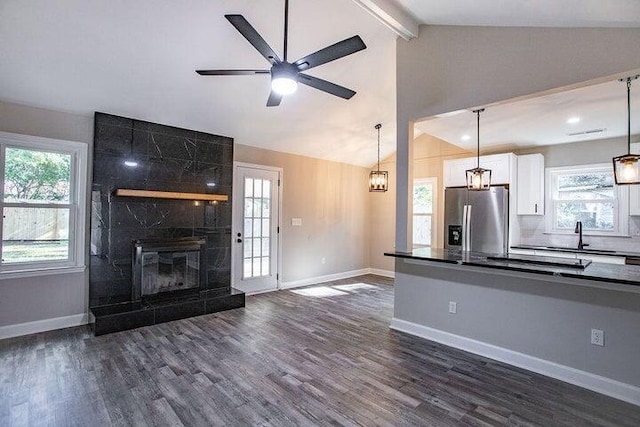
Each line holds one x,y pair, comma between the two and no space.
378,180
626,168
478,178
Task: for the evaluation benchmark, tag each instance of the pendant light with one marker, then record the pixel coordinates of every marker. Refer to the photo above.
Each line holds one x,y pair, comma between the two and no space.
378,180
626,168
478,178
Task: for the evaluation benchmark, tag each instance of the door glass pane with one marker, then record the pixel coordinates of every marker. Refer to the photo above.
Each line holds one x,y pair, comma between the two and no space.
248,227
36,176
256,228
256,267
266,189
248,187
256,247
257,191
247,247
265,247
265,208
35,234
248,207
265,227
265,266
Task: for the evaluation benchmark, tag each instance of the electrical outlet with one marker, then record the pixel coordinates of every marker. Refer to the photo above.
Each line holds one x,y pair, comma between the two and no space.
597,337
453,307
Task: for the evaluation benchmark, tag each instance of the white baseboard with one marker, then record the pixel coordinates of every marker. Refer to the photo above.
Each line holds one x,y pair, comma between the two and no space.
27,328
322,279
383,273
597,383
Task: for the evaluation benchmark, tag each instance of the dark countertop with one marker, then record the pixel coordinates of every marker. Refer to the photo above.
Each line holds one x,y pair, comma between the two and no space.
612,273
581,251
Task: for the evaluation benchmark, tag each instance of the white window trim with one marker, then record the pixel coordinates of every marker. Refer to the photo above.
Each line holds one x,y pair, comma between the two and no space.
77,234
434,185
621,202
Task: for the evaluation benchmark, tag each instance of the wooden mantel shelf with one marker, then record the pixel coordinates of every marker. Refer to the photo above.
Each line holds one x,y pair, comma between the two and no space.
126,192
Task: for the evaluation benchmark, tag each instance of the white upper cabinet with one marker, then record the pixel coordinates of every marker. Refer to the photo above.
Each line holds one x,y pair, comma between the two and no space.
502,167
530,188
634,190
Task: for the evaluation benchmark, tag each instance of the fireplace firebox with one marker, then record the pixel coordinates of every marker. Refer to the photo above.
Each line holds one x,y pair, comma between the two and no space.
163,267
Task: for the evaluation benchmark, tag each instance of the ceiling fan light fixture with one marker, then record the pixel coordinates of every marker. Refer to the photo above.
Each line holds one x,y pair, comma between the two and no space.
284,78
626,168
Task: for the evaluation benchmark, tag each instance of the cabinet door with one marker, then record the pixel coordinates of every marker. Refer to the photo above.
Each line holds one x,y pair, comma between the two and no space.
454,174
530,185
634,190
500,165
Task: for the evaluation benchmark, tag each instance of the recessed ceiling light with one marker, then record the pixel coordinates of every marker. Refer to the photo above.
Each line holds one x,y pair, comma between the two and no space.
130,163
573,120
466,137
211,184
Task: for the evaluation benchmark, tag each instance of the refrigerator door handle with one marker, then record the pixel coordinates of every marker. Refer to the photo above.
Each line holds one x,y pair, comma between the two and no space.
465,213
468,234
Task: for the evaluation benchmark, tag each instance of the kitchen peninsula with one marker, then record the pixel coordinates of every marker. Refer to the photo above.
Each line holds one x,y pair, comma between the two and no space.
536,316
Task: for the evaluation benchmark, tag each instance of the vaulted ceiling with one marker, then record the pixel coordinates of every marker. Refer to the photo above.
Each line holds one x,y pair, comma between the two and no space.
137,59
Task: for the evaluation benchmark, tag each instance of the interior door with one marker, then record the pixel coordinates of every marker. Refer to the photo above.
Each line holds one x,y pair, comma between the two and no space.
255,228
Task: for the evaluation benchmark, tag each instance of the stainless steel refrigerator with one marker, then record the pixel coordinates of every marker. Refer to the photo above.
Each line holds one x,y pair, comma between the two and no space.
476,220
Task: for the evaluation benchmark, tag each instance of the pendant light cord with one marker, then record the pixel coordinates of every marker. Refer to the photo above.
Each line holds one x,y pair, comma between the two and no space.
629,114
378,126
478,111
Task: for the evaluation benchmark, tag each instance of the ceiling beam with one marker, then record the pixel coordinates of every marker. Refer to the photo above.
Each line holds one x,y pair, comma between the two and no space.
393,16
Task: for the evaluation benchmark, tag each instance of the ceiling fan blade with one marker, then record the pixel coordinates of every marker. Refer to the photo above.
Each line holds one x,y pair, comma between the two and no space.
231,72
274,99
326,86
331,53
256,40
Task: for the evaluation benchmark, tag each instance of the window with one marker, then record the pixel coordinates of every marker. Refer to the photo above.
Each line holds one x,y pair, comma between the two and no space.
588,194
43,203
423,208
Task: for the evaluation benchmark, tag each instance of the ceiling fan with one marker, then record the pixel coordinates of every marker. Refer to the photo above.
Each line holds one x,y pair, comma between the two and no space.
285,75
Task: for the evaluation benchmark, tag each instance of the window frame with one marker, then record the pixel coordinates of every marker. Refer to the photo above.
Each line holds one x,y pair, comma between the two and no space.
76,205
433,181
620,201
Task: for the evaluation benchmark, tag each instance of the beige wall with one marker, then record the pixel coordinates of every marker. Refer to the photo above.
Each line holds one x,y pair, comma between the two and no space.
428,154
44,297
333,201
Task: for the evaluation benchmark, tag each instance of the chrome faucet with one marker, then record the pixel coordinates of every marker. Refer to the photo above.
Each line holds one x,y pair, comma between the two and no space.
579,231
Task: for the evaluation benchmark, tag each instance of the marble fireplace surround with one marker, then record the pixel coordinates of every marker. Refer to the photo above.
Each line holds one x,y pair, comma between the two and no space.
173,160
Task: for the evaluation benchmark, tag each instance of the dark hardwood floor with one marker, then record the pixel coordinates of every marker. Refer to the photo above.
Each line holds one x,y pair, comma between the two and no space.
322,355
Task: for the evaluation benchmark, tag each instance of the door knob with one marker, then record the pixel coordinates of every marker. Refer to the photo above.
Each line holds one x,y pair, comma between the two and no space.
239,240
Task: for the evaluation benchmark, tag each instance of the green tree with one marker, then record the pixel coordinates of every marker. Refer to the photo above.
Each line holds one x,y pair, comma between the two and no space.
36,175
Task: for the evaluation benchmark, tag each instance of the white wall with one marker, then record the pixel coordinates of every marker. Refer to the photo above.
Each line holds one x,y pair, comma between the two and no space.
34,299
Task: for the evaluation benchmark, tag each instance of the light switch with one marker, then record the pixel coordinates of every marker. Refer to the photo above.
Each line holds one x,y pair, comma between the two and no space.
296,222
